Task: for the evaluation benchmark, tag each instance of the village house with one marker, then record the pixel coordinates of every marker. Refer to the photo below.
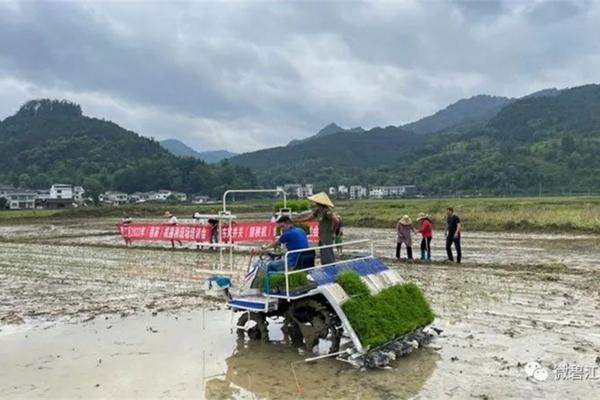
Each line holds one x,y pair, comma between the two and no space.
342,191
114,198
297,190
42,195
378,192
179,196
18,199
137,197
78,193
200,199
358,192
61,191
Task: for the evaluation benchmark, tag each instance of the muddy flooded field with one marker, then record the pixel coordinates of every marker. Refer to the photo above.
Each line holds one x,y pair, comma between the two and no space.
574,250
81,316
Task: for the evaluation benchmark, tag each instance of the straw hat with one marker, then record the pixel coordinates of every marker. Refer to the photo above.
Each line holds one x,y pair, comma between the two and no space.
322,199
167,214
405,220
422,216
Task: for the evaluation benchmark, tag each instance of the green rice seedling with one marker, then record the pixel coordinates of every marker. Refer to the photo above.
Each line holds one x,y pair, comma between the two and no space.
276,281
391,313
352,284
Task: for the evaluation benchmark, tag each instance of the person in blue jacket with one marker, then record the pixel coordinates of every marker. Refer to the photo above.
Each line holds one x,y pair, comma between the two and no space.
293,238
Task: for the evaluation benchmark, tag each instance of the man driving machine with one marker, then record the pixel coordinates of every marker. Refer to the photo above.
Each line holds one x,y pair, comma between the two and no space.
293,238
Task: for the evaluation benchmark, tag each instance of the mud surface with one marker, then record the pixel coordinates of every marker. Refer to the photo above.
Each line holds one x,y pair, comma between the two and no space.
192,355
575,251
82,316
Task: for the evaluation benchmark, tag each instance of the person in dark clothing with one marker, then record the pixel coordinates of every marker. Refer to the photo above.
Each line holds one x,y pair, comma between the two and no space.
214,231
328,221
453,235
405,229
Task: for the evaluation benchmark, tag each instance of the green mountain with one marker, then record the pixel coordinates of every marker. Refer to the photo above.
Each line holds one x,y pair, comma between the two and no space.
214,156
475,110
549,139
50,141
325,158
548,142
180,149
330,129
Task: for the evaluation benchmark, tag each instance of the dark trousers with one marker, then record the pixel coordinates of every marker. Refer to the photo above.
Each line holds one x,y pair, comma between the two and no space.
456,240
426,247
408,251
327,255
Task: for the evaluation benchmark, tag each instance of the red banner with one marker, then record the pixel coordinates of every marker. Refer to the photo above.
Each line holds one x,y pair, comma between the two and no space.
240,232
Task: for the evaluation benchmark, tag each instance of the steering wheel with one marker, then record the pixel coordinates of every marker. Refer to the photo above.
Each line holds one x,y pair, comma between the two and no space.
271,255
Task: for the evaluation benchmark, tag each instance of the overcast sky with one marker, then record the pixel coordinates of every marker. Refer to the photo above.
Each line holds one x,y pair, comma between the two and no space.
247,75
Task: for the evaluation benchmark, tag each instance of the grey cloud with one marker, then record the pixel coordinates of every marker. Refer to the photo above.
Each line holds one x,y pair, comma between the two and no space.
245,75
557,11
486,9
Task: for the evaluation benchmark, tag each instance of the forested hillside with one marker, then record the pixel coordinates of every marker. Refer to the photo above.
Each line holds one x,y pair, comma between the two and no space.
475,110
49,141
180,149
327,158
330,129
550,142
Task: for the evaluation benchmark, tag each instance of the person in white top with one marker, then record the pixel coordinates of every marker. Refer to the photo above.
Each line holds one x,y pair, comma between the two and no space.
200,221
172,220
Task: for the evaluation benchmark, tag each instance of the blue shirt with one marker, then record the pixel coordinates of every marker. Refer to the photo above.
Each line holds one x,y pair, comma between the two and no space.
294,239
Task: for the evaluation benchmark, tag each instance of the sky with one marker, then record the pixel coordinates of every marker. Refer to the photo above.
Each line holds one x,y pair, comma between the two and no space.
243,75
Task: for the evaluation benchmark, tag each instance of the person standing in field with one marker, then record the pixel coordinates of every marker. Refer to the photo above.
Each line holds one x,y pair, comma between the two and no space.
453,232
172,220
426,231
214,231
197,217
328,222
126,220
404,229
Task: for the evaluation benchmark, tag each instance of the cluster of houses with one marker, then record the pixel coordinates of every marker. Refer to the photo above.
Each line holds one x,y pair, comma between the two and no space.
65,195
373,192
297,190
58,196
352,192
117,198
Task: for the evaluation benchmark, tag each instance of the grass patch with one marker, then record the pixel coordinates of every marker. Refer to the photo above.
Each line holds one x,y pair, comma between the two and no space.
545,214
352,284
389,314
277,281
